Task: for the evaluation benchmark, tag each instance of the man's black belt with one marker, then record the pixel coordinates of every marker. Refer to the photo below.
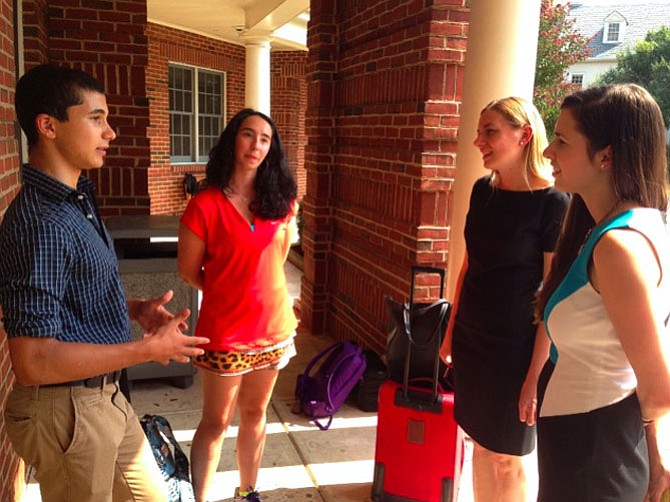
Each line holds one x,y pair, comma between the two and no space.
90,383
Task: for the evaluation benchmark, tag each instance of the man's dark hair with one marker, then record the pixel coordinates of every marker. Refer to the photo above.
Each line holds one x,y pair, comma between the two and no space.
52,90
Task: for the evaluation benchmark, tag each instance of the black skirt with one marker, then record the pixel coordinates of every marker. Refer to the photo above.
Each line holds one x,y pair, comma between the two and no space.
600,456
488,376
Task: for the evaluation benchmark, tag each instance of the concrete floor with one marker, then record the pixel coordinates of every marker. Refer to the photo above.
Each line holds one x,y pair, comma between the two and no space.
301,462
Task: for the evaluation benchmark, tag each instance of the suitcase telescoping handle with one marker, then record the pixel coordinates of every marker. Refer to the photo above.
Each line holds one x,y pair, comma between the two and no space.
445,310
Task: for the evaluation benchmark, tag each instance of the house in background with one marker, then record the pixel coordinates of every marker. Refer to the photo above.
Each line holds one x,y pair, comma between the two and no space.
612,28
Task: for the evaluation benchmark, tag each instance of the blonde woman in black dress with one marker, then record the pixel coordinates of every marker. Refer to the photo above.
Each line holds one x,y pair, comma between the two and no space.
511,229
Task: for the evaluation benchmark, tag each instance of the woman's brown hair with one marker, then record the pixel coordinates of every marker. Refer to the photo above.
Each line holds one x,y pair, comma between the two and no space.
626,118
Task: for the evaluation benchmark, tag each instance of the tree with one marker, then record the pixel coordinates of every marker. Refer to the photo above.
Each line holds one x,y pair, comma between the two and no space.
559,46
647,63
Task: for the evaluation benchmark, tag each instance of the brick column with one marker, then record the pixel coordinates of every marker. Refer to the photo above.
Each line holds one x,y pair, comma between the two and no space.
289,103
12,467
384,93
319,157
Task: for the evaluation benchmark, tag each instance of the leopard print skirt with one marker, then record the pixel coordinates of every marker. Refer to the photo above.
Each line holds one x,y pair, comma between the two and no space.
232,363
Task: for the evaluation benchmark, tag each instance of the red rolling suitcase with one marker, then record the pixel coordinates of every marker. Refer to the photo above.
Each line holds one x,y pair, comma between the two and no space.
419,446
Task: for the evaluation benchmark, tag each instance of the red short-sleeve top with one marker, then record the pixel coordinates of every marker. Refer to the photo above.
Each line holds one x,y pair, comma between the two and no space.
245,301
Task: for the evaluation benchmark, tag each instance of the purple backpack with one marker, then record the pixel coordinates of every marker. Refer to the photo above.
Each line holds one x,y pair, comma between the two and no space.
320,395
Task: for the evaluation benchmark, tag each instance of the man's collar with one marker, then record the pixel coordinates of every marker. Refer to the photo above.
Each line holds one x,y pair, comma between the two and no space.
51,187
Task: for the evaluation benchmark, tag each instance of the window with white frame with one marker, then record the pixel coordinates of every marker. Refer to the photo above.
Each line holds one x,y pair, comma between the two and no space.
197,111
613,30
577,79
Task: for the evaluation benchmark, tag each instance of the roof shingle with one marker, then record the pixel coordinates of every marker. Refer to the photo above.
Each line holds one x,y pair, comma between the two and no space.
640,19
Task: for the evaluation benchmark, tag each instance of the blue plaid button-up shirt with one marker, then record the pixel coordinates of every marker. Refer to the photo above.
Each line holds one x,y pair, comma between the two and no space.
58,271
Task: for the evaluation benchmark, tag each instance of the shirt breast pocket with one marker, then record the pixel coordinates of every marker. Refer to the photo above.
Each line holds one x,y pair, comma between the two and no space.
94,271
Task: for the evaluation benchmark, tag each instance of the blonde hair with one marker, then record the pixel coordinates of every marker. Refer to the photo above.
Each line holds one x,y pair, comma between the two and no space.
519,112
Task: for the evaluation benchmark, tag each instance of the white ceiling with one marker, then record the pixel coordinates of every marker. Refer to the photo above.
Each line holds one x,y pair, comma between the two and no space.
284,21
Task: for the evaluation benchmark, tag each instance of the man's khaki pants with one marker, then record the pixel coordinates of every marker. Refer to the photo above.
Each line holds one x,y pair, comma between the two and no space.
86,445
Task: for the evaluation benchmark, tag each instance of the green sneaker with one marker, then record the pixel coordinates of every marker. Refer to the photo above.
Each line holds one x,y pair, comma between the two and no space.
252,496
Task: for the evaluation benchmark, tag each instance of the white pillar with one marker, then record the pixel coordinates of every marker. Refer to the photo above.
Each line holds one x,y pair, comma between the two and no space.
257,77
500,62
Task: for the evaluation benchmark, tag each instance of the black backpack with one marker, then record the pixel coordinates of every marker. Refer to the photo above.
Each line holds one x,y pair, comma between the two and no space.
367,391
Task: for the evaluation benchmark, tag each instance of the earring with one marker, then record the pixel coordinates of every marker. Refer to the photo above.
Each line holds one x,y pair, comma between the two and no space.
521,143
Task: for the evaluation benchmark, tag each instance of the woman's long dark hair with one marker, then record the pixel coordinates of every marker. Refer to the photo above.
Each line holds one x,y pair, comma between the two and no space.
275,186
626,118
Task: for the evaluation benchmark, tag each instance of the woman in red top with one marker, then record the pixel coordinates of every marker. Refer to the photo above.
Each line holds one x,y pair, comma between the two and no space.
233,241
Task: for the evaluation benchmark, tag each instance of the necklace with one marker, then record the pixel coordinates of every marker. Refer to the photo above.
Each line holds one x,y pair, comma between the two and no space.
612,210
607,215
230,193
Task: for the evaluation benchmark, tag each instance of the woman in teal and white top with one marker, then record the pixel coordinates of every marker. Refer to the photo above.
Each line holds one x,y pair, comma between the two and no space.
606,303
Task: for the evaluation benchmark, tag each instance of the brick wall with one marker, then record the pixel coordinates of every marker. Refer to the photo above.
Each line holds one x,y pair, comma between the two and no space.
106,39
11,467
289,103
168,45
35,29
383,103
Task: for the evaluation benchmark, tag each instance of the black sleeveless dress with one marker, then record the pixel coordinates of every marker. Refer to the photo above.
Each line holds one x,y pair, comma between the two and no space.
506,234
